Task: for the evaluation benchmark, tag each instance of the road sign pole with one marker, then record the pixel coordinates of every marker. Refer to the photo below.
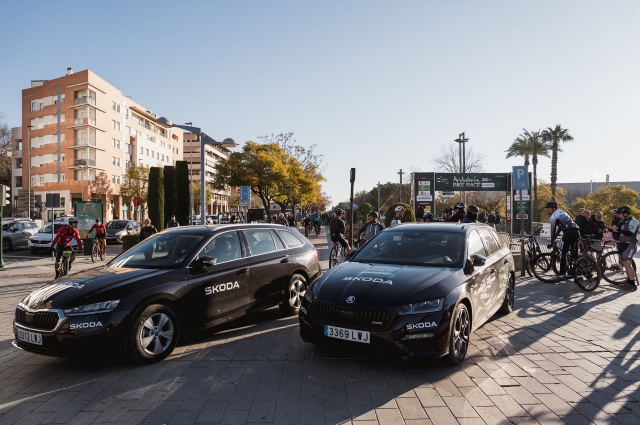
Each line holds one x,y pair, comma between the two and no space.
1,248
522,259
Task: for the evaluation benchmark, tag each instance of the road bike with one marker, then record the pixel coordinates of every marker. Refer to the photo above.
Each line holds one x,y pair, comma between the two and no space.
582,267
337,255
317,226
306,230
63,266
96,251
531,250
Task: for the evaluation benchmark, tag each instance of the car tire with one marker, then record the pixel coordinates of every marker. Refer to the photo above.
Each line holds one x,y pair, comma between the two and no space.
153,334
293,294
509,296
6,244
459,333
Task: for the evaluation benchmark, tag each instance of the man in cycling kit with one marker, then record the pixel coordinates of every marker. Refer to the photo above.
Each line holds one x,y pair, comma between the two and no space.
371,227
397,219
628,228
561,221
63,239
337,229
101,234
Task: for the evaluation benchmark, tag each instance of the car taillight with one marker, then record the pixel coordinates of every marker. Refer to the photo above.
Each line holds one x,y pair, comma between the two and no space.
316,252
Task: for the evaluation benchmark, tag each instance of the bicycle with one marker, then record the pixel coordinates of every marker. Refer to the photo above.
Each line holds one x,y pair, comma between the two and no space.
531,250
63,266
337,255
584,268
317,226
96,250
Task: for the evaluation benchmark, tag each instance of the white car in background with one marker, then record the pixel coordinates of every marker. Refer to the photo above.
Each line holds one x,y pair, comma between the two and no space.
41,241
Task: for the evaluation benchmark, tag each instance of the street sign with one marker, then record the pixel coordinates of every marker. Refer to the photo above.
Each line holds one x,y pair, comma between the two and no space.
448,194
520,177
137,201
245,196
474,182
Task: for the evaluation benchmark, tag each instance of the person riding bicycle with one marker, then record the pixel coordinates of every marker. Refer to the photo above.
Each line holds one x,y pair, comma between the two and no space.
561,221
306,222
282,220
447,213
458,213
371,227
316,221
337,229
628,228
472,214
397,219
101,234
428,217
62,241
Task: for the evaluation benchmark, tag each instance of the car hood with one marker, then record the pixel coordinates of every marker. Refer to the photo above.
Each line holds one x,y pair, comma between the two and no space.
74,290
385,285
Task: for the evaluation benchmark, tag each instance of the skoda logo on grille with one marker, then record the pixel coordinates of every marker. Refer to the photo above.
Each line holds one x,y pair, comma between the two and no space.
351,299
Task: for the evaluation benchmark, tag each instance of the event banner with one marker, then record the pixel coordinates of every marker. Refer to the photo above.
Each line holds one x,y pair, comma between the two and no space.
473,182
422,189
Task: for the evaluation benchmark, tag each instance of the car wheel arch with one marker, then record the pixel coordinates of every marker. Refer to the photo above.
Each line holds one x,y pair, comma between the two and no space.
301,272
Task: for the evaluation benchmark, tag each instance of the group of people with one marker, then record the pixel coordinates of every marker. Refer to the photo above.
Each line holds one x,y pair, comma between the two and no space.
624,228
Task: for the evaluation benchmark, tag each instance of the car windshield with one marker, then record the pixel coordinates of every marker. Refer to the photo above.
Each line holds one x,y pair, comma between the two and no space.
46,229
116,224
414,247
163,251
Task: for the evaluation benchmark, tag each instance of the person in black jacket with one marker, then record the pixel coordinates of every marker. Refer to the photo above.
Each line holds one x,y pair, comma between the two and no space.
472,214
147,230
419,214
172,222
597,228
582,220
458,213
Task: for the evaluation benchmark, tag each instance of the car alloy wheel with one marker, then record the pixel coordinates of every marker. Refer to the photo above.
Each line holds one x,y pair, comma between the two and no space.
154,334
293,294
459,334
6,244
509,296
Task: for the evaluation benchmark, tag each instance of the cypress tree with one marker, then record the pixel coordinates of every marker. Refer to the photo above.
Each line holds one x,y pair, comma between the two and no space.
182,193
169,191
155,203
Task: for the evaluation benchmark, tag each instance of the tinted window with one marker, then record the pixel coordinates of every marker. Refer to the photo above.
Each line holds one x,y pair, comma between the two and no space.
224,247
489,242
414,247
260,241
116,224
162,251
475,244
279,244
290,239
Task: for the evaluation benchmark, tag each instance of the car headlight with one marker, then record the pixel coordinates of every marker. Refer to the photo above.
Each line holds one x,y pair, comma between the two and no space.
103,307
312,292
423,307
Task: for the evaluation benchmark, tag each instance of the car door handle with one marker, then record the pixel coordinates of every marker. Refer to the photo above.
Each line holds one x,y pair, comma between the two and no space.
493,271
242,271
285,260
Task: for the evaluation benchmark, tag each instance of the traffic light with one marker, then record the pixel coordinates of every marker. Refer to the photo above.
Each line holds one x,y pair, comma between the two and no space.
5,196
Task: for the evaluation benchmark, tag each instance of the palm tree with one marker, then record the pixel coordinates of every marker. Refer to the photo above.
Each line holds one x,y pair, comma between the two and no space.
530,144
554,136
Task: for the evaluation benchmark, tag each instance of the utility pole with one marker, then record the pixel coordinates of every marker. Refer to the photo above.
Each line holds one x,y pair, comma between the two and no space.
462,160
401,173
378,197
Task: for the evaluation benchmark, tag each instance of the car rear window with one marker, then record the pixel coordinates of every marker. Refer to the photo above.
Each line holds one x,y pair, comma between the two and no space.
291,240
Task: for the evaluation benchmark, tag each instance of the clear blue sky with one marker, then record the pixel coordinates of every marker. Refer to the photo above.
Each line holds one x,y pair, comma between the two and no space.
376,85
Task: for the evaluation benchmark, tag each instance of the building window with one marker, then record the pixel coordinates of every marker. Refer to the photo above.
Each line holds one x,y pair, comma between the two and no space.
62,203
115,143
115,106
115,124
163,157
34,181
41,180
141,150
41,106
115,161
33,105
140,162
18,181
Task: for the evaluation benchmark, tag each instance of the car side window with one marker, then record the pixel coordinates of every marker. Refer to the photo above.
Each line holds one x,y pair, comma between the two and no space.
475,244
224,247
290,239
279,245
489,242
260,241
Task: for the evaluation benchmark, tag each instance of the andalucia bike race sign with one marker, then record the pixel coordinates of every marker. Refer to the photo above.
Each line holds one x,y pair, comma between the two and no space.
473,182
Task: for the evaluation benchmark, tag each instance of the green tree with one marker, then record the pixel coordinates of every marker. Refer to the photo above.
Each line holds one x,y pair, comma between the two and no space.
554,136
170,197
5,148
530,144
389,193
196,195
155,204
408,217
135,182
545,196
183,207
606,199
365,209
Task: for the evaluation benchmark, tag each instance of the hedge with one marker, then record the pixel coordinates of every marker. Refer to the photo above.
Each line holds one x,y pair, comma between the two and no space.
155,200
129,240
408,217
169,192
182,193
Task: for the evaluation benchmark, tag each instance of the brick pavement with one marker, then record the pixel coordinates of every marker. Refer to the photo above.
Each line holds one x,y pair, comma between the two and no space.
563,356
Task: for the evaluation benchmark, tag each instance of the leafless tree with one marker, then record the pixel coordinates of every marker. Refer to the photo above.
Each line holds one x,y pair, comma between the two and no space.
448,160
5,147
101,185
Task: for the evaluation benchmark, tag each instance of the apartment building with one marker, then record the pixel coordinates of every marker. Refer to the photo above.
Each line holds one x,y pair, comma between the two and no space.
212,154
83,134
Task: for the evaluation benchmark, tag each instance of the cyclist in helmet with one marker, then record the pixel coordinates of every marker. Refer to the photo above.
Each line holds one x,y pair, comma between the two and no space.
628,228
458,213
472,214
337,229
397,219
101,235
447,213
428,217
62,241
282,220
562,222
371,227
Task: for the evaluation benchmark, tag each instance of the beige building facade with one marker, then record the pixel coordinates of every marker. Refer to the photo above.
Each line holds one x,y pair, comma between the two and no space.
100,134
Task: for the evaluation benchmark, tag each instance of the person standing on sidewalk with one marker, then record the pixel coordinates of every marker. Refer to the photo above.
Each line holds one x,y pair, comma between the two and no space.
628,228
174,223
147,230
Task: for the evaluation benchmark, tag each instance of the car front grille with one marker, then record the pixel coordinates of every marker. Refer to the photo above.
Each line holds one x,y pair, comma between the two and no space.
364,318
45,320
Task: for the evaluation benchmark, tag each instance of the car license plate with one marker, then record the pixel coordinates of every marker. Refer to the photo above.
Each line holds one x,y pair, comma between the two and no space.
346,334
30,337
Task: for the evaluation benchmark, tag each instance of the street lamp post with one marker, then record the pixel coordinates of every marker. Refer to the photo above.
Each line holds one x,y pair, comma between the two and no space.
29,127
461,140
190,175
82,167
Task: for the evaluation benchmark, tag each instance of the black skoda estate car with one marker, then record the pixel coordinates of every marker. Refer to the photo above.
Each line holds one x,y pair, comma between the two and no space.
419,289
176,282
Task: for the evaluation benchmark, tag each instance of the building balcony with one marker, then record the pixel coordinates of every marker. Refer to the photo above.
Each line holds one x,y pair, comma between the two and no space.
84,100
84,162
84,121
84,142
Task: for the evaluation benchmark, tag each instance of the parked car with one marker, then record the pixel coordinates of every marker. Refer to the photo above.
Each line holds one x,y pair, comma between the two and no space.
212,219
419,290
116,229
41,240
175,282
16,232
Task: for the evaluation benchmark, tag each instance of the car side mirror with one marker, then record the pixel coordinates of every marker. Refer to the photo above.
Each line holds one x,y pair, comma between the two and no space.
478,260
468,267
351,254
205,261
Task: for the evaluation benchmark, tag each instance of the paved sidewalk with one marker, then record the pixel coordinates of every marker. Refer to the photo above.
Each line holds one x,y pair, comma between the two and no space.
564,356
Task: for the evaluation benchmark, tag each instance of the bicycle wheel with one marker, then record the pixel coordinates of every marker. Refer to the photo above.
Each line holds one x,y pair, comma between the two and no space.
94,253
529,263
65,266
333,257
542,268
611,268
100,252
586,272
306,231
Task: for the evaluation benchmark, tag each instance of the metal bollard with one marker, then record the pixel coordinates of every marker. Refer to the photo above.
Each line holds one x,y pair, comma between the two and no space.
522,259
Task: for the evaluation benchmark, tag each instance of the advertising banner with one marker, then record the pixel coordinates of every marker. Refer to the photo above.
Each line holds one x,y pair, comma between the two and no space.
422,191
476,182
87,212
